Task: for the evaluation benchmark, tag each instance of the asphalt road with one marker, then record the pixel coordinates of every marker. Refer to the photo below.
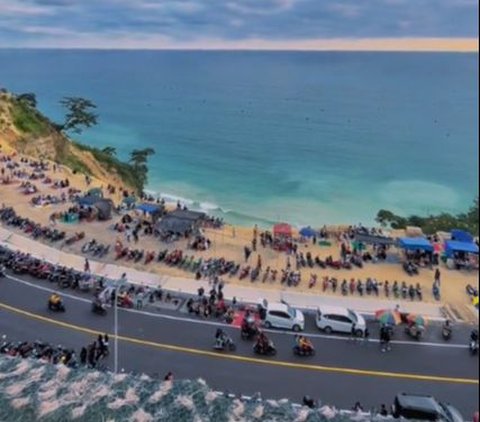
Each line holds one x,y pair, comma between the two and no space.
332,375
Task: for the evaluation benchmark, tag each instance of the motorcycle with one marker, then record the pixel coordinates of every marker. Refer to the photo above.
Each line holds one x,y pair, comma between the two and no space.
303,351
224,343
269,350
473,347
415,331
446,332
99,308
56,307
248,332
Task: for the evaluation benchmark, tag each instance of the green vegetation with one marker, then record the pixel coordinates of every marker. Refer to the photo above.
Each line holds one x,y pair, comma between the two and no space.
134,174
442,222
79,114
28,120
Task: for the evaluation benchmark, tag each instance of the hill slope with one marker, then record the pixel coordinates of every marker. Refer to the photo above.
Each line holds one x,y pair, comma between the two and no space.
24,129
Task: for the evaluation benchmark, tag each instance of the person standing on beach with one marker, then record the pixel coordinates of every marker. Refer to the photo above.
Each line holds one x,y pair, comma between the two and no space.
436,278
254,244
86,267
247,251
259,262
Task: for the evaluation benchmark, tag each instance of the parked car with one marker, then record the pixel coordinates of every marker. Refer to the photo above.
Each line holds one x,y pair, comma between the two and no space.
281,315
338,319
424,408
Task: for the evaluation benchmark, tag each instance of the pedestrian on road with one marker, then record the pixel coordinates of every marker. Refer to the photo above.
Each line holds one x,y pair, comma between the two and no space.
168,377
83,356
357,407
91,355
383,410
353,333
366,335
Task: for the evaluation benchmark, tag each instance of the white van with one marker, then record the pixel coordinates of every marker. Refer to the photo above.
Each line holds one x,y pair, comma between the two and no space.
280,315
336,318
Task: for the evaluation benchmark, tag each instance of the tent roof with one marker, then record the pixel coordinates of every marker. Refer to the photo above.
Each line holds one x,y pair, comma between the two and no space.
95,192
187,215
457,246
414,243
149,208
88,200
461,236
308,232
173,224
282,229
379,240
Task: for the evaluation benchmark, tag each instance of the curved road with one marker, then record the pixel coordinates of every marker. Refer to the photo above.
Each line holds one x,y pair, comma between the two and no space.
341,373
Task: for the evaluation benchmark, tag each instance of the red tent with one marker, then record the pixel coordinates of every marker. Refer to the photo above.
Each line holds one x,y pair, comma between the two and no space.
282,229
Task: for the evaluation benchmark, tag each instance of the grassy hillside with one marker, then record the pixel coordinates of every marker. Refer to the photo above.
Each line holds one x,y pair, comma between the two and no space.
26,130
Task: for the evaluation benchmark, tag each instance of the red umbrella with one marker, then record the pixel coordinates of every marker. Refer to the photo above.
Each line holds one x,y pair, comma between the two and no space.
282,229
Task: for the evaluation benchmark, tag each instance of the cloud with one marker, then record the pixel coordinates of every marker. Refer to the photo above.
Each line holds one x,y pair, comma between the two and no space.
174,22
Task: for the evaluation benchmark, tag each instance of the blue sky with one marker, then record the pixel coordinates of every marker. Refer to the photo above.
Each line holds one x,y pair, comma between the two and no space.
197,23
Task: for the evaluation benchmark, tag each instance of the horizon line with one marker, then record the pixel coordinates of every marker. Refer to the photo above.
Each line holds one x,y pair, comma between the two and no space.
453,45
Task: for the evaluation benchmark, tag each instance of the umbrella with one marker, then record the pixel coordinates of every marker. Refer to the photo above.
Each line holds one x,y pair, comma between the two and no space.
307,232
417,319
387,316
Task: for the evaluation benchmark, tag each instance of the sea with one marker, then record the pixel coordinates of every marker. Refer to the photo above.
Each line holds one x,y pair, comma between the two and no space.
308,138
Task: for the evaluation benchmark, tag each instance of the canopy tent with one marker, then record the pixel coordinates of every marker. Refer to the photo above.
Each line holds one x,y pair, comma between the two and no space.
129,200
150,208
461,236
282,229
307,232
452,246
105,208
372,239
415,243
187,215
174,225
95,192
87,201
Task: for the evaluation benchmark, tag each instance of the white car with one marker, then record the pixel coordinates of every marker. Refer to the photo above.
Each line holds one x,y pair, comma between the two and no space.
280,315
336,318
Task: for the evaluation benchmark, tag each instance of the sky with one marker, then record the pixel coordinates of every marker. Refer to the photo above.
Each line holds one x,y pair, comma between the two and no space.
263,24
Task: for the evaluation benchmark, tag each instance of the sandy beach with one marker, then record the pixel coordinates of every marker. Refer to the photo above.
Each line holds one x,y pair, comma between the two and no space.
227,242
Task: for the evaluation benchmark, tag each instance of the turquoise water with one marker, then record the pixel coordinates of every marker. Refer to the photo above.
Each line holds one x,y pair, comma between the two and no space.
309,138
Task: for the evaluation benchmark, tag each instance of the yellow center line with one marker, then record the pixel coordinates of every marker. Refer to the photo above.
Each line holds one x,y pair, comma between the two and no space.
350,371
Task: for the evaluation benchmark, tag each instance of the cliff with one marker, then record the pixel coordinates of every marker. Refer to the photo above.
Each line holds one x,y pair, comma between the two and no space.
26,130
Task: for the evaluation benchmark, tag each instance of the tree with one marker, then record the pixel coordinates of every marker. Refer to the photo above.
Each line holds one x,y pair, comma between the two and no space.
138,161
28,98
110,151
79,115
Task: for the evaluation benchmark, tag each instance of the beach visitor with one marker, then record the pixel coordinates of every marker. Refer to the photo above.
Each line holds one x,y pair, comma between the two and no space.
247,251
436,278
86,267
259,262
254,244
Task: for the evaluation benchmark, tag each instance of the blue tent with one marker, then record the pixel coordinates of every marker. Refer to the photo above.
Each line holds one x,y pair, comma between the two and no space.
88,200
149,208
415,243
307,232
461,236
452,246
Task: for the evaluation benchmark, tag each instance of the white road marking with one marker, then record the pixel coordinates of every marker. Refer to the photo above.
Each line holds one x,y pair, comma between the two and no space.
222,324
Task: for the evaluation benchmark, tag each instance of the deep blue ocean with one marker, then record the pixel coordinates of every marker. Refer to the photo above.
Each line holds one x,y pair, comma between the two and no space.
304,137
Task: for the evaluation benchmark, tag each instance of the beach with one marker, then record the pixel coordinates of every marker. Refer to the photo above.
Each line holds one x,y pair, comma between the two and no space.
227,242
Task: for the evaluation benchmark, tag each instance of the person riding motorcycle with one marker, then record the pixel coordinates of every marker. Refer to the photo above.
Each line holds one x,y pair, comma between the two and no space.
55,300
447,329
303,343
474,336
262,342
220,337
248,326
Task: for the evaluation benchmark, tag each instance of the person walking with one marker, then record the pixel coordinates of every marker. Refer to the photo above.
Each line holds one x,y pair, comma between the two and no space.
86,267
436,278
353,333
83,356
366,336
